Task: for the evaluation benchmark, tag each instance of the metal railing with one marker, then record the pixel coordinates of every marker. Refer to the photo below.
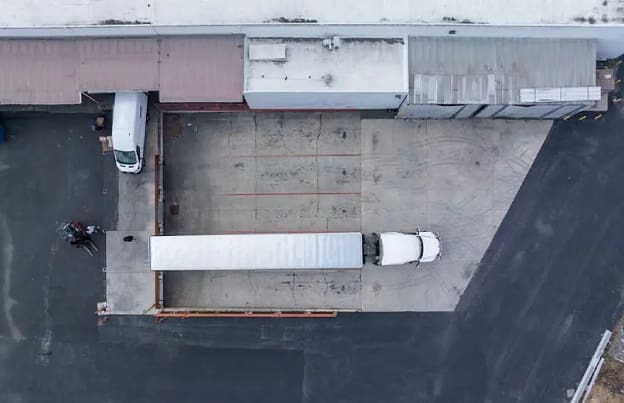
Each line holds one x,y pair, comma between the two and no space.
161,315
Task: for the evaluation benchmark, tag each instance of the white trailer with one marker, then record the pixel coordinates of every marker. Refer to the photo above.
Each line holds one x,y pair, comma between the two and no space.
309,251
257,251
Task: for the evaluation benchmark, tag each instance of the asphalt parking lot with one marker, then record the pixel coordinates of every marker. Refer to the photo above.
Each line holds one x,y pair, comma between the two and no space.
51,348
317,172
51,170
525,328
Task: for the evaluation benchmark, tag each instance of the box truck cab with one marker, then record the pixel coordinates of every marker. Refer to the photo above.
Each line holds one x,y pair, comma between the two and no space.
129,119
396,248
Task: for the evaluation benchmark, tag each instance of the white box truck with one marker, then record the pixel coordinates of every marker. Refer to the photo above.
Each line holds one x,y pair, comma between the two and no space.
308,251
129,121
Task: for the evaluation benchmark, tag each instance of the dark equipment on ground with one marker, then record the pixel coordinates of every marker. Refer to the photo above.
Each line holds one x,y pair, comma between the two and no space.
98,124
3,135
74,233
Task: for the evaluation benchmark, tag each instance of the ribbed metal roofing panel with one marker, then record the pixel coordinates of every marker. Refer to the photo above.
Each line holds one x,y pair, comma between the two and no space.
118,64
202,69
493,70
198,69
38,72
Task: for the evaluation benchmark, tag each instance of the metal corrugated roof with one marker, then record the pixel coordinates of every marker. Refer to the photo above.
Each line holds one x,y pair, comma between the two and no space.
198,69
203,69
38,72
118,64
493,70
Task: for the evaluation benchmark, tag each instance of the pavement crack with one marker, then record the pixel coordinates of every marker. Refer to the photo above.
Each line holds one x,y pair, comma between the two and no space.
46,340
292,289
253,287
326,283
318,139
6,257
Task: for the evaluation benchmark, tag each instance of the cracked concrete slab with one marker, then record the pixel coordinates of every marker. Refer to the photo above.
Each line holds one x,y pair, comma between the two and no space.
456,178
315,172
129,281
265,290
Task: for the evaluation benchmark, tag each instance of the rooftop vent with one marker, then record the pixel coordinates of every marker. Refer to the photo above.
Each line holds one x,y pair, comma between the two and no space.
327,79
332,43
268,52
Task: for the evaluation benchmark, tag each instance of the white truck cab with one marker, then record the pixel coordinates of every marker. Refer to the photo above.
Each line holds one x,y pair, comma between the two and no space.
396,248
129,120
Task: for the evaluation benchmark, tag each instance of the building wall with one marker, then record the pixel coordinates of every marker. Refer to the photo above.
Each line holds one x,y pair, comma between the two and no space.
564,110
323,100
544,111
526,112
468,111
428,111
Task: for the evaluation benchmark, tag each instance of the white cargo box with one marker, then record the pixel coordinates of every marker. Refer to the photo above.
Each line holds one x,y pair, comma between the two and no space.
257,252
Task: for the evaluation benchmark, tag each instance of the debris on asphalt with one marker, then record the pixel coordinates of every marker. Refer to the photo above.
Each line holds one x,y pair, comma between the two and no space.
609,387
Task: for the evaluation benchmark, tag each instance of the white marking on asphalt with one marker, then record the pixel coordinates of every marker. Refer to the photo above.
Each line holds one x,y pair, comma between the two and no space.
6,257
46,340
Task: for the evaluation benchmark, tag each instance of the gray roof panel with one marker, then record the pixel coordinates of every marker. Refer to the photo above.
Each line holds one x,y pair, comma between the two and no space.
493,70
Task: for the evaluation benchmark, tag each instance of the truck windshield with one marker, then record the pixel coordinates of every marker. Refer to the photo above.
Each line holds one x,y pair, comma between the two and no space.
126,157
422,248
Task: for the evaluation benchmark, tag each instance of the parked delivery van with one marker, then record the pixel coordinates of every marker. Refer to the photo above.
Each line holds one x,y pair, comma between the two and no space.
129,119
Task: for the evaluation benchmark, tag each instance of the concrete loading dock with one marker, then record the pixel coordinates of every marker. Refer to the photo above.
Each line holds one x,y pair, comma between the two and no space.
314,172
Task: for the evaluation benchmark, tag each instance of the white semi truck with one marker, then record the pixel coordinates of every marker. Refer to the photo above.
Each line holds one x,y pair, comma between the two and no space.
306,251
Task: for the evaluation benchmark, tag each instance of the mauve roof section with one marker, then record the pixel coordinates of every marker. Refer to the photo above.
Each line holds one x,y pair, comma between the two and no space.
184,69
38,72
118,64
201,69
